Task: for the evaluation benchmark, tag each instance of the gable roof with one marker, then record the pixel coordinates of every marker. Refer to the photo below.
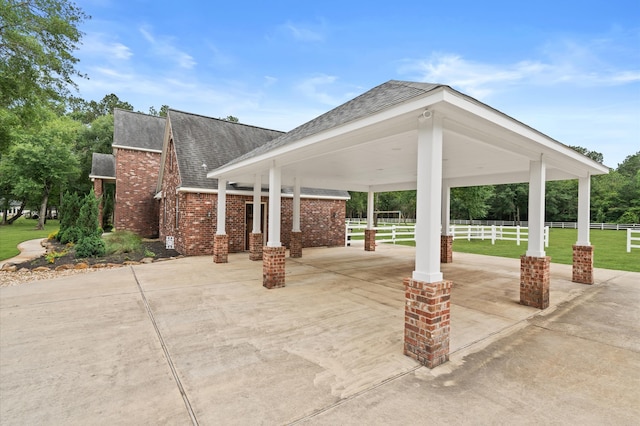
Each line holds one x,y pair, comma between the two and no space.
379,98
370,143
205,143
103,166
137,131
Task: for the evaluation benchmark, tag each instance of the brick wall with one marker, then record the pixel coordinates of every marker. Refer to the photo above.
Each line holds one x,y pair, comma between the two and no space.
136,176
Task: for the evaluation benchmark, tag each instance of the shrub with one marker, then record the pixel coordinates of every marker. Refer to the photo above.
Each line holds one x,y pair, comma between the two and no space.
53,235
87,221
123,242
69,211
70,235
91,246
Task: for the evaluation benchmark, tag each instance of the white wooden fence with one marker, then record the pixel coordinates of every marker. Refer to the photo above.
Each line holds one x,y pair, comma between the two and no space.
396,233
631,239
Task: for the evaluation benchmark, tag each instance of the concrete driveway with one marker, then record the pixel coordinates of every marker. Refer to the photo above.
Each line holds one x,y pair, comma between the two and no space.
192,342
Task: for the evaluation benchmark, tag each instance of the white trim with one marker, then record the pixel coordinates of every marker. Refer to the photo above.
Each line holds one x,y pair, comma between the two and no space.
102,177
264,193
132,148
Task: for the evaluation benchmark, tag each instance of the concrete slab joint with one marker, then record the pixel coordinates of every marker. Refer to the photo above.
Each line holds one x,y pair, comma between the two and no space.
534,281
427,321
255,246
220,248
273,262
446,248
582,264
370,240
295,250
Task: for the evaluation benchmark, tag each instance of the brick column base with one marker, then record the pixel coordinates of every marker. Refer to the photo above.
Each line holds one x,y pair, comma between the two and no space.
446,248
427,321
296,244
273,266
582,264
255,246
220,248
370,240
534,281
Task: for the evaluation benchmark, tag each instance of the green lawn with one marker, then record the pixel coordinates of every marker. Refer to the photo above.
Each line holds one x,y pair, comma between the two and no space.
610,248
22,230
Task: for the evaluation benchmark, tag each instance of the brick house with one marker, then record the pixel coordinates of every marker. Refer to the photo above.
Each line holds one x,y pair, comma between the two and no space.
159,167
193,145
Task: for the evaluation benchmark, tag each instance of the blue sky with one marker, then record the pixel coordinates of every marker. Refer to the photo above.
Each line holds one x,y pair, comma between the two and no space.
570,69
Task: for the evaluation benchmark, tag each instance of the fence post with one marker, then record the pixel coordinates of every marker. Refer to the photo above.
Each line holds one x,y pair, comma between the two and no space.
468,232
393,233
546,236
493,234
628,240
518,234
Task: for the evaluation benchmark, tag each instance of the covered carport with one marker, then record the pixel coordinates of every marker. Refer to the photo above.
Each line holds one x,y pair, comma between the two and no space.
429,137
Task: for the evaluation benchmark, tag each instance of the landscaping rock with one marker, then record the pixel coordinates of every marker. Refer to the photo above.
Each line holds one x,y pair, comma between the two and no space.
147,260
81,265
41,269
9,267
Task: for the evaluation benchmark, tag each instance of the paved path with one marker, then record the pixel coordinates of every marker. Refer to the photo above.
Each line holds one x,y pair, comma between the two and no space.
29,250
191,342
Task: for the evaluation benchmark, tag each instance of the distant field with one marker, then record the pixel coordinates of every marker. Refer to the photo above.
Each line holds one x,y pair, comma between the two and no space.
22,230
610,248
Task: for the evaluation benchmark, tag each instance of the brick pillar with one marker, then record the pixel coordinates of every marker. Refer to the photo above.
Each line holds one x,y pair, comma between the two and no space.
446,248
220,248
534,281
255,246
582,264
296,244
97,190
370,240
427,321
273,266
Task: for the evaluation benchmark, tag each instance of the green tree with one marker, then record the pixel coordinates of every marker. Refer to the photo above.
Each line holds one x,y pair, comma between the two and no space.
89,111
471,202
42,159
161,113
37,41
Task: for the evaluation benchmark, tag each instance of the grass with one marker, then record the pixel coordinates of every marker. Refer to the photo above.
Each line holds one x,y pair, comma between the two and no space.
610,248
120,242
22,230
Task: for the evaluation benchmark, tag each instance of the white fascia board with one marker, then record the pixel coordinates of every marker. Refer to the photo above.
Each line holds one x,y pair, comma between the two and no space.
133,148
508,123
109,178
250,193
422,102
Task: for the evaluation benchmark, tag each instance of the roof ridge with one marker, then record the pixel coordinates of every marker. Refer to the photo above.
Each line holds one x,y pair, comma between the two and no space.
139,113
222,120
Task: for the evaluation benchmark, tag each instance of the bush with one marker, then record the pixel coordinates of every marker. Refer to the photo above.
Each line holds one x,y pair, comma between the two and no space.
91,246
70,235
88,217
69,211
123,242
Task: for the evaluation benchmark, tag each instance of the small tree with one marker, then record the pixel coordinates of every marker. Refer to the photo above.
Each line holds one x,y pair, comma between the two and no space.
90,243
69,212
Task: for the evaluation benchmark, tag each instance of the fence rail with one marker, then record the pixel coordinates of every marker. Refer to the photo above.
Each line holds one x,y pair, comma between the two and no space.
397,233
631,239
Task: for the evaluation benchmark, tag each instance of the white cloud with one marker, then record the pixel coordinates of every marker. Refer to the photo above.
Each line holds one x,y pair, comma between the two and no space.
96,44
563,62
163,47
306,33
315,89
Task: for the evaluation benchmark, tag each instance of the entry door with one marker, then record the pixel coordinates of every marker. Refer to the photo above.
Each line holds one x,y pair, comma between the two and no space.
248,222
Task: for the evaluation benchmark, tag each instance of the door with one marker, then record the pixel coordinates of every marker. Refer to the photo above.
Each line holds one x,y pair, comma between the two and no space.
248,222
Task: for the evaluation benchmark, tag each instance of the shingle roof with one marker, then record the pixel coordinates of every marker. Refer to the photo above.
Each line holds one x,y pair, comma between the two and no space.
205,143
103,165
379,98
137,131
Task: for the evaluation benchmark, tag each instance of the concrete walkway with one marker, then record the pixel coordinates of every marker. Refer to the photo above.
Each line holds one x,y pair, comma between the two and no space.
191,342
29,250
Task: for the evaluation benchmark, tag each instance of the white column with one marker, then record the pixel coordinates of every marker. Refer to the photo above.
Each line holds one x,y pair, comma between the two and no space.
537,177
222,207
446,209
429,200
274,206
296,205
370,209
257,202
584,214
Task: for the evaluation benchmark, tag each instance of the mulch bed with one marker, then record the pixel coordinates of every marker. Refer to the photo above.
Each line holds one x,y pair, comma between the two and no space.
155,246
